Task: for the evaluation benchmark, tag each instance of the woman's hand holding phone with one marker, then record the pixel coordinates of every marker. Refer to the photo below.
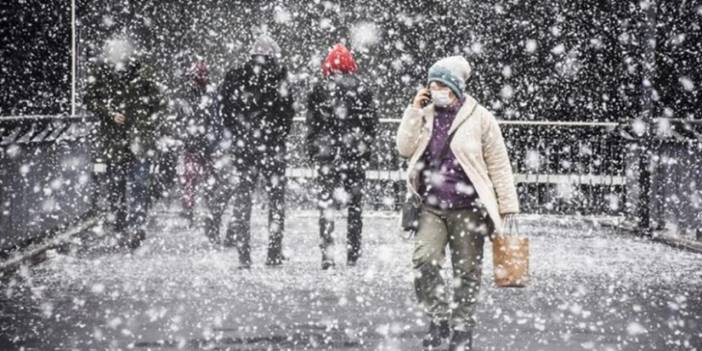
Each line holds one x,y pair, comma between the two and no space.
422,99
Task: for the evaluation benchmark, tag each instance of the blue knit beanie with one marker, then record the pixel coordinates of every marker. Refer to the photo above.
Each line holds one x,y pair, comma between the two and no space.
451,71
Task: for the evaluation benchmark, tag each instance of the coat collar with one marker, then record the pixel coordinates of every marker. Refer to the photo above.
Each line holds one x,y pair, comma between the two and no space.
463,113
466,111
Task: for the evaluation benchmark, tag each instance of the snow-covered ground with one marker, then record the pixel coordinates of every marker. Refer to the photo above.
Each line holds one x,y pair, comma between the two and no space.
591,289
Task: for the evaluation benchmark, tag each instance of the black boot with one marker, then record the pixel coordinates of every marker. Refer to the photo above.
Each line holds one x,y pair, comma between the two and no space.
135,239
351,257
275,258
212,232
461,341
326,228
353,237
211,238
275,250
436,335
244,258
229,242
327,258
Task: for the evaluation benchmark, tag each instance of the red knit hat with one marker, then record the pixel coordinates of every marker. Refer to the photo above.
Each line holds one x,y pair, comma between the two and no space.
339,60
199,73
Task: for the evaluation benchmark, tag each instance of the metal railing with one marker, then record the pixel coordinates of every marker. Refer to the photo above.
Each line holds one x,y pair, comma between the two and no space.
45,175
652,180
30,129
560,167
664,187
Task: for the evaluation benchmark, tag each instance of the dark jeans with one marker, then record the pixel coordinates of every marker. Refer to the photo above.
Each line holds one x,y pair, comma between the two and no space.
236,183
127,183
341,188
165,176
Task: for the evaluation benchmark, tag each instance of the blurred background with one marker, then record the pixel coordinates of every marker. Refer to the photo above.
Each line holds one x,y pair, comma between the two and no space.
534,60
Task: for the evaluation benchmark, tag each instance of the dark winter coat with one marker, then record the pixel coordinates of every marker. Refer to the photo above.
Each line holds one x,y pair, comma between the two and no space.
133,92
342,122
257,108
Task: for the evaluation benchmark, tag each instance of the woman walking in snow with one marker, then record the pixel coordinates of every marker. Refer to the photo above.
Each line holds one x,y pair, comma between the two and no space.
459,168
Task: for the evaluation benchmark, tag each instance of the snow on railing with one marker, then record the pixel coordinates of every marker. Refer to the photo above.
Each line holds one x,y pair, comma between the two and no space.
43,128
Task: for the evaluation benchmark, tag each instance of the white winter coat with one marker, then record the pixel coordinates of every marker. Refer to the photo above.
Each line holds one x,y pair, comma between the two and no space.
479,148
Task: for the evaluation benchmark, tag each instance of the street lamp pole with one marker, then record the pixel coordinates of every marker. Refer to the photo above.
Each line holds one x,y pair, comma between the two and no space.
647,143
73,57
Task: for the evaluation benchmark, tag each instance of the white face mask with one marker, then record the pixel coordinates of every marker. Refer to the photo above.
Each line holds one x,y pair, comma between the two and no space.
441,98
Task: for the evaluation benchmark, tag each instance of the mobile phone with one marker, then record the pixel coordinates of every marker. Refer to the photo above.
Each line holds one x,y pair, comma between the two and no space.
428,101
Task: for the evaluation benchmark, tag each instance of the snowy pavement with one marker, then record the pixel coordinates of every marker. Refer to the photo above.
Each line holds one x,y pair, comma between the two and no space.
592,289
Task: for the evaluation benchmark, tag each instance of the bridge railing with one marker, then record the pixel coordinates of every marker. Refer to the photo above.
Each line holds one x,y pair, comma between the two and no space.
560,167
664,179
568,168
45,176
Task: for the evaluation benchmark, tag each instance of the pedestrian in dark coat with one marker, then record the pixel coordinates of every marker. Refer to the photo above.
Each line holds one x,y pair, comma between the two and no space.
342,123
257,113
125,98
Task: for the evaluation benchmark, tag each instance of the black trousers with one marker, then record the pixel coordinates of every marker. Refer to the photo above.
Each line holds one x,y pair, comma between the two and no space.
341,187
237,183
127,183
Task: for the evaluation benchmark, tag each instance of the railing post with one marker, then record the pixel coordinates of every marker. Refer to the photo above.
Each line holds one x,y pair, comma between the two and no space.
645,141
644,212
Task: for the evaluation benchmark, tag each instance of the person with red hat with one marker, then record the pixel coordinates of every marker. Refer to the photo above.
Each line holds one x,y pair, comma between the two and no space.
342,123
194,106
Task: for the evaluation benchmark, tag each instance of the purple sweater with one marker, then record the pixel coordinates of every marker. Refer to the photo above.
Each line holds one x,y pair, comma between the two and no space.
444,184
